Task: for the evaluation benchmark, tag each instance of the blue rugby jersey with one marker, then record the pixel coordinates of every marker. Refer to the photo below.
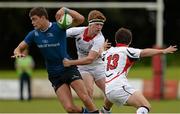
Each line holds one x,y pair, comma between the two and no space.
52,44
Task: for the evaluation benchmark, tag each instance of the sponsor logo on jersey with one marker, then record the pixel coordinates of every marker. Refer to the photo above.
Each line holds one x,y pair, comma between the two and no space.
132,54
75,76
48,45
50,35
109,75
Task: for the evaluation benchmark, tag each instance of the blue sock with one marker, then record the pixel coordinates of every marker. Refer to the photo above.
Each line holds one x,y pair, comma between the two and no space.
84,110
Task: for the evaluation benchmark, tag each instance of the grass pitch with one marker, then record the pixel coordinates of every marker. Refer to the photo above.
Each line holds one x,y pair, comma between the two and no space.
53,106
171,73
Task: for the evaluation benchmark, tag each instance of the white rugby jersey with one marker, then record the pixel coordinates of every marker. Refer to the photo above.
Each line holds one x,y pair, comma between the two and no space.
118,61
83,46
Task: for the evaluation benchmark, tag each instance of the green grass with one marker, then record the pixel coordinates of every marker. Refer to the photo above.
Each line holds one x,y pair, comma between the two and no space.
171,73
53,106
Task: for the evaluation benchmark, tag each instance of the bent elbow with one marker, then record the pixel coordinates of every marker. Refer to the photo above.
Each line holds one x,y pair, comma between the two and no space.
81,19
90,60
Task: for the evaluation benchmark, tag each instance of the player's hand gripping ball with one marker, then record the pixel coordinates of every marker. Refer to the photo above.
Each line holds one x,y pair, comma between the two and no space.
65,21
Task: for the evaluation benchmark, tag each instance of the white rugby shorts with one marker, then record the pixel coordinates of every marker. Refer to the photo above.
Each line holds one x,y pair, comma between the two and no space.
121,95
96,71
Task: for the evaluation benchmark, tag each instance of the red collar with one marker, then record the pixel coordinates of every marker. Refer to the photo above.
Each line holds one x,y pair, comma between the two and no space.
121,45
85,37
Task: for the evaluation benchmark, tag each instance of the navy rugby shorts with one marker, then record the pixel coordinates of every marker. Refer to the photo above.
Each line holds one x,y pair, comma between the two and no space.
66,77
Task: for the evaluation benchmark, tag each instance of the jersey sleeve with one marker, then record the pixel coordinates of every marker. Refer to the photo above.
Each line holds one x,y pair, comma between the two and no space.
74,31
29,39
133,52
98,43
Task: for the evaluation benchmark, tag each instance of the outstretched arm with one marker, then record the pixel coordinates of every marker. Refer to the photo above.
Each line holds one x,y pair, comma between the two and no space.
77,17
151,52
82,61
18,51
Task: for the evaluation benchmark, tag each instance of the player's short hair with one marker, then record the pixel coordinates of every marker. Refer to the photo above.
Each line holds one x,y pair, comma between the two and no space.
39,11
96,16
123,36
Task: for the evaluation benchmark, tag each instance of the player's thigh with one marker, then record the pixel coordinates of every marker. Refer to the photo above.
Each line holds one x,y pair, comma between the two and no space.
79,88
88,80
64,95
101,84
137,99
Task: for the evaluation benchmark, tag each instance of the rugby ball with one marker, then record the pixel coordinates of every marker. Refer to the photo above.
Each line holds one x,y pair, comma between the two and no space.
65,21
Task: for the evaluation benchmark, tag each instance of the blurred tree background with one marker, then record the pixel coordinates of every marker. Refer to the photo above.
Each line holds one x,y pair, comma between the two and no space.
15,24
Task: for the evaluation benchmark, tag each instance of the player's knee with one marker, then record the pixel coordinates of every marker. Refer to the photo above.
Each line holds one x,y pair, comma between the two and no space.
85,97
90,93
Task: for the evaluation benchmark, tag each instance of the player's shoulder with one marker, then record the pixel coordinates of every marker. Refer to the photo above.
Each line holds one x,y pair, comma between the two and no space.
100,35
132,49
133,52
53,24
75,31
120,48
112,49
78,29
99,38
32,33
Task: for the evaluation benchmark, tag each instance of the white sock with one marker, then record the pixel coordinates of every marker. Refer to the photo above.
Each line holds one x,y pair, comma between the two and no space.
142,110
106,110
